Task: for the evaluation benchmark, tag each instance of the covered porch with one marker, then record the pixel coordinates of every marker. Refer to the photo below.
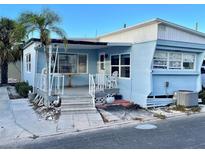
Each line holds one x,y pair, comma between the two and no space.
77,69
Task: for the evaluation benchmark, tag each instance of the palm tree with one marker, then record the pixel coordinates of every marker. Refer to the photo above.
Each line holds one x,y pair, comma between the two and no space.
11,36
45,23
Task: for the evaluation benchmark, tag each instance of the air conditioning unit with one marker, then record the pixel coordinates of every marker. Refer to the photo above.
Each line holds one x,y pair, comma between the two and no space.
187,98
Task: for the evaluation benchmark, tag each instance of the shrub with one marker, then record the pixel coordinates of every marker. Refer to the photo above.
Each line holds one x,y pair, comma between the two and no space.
202,96
23,88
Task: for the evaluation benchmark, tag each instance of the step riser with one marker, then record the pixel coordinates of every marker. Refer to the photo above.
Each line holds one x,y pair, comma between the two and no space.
77,112
76,97
76,101
76,106
70,111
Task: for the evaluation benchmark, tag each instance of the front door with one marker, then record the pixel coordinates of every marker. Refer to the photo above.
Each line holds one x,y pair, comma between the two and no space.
102,63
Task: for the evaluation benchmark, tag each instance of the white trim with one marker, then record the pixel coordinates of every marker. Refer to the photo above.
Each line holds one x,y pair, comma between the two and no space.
168,62
119,55
153,21
28,63
76,53
100,70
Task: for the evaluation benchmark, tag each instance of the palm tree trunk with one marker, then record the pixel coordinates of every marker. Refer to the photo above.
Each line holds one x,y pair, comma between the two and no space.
4,72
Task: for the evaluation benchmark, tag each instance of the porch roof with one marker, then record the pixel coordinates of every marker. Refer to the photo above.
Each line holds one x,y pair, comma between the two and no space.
81,43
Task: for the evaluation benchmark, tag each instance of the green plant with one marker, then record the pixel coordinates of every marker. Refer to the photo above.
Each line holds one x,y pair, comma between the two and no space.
202,96
44,23
23,88
12,34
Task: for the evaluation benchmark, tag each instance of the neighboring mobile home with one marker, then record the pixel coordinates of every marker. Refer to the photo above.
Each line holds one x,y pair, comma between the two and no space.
14,72
153,60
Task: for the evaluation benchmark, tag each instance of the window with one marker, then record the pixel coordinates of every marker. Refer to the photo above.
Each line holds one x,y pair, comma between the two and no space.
28,62
72,63
188,61
102,61
160,60
125,65
68,63
115,63
82,64
121,63
173,60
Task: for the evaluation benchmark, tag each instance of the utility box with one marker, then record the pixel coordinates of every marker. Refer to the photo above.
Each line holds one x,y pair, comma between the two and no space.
187,98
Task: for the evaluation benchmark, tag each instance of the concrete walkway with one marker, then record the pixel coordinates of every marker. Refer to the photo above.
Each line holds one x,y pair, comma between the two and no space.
19,120
8,127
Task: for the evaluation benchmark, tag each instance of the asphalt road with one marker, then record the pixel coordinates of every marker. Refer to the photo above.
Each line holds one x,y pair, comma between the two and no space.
177,133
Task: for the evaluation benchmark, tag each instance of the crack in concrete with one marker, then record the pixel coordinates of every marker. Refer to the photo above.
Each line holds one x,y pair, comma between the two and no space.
19,125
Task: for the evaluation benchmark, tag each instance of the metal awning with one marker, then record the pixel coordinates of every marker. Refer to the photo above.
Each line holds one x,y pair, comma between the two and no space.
170,48
81,44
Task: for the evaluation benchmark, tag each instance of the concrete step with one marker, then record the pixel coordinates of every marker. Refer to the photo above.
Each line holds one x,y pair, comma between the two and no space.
106,92
78,110
112,91
83,105
77,104
76,97
77,100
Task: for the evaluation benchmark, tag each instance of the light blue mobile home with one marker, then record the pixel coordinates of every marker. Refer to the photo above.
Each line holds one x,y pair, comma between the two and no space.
153,60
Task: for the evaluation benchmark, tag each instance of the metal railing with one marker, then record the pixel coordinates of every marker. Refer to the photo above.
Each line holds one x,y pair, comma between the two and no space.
40,82
104,81
56,86
100,82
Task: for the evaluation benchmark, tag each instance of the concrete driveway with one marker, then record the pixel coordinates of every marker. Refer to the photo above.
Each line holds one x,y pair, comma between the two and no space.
175,133
19,120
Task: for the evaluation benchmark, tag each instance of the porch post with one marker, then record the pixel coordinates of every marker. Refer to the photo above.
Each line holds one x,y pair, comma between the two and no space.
49,70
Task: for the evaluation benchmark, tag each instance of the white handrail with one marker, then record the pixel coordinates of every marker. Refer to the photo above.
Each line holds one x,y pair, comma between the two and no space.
104,81
92,88
57,88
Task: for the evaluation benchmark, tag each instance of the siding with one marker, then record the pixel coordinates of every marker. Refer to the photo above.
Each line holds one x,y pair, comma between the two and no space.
78,79
141,61
142,34
123,84
176,82
179,80
169,33
29,76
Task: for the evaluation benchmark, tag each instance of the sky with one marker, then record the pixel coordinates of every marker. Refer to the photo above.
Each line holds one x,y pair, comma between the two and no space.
94,20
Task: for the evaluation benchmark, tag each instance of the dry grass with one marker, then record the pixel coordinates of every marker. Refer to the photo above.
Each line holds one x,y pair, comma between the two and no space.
196,109
159,115
180,108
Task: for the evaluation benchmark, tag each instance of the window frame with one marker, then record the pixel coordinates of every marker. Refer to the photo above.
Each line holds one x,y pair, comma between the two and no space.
101,62
28,63
77,61
168,61
120,66
194,68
